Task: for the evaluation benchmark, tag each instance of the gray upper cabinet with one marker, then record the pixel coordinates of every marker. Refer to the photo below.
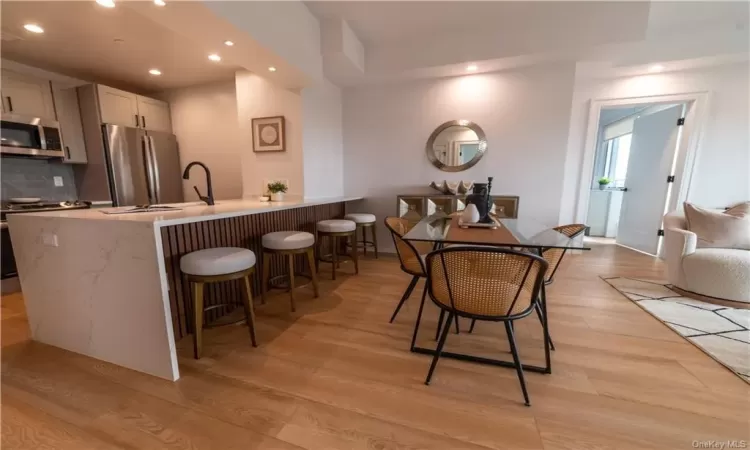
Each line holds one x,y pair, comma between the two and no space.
69,117
119,107
154,114
26,95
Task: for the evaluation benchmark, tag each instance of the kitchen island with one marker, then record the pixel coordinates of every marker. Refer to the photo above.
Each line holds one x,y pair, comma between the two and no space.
110,287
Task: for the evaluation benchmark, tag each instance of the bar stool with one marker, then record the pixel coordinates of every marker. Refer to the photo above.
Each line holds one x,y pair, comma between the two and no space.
213,265
288,243
365,221
335,229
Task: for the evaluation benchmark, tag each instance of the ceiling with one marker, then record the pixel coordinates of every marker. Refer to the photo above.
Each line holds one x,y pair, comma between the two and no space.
422,39
116,46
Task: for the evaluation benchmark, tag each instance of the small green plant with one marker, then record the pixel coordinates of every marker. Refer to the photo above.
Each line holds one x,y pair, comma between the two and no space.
276,187
603,181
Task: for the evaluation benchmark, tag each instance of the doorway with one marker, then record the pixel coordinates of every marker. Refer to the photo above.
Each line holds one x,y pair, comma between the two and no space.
640,151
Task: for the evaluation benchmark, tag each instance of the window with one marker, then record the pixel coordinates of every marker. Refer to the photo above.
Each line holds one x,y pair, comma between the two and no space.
612,161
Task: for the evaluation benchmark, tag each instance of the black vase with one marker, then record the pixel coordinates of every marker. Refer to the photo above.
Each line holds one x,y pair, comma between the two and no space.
481,198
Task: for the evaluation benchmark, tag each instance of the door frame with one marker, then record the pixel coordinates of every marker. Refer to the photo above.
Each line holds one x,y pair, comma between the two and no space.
689,144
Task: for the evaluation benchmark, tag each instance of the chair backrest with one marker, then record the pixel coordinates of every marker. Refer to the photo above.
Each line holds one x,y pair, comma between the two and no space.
484,282
554,256
409,253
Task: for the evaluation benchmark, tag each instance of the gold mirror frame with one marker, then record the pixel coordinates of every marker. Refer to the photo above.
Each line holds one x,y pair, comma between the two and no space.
453,123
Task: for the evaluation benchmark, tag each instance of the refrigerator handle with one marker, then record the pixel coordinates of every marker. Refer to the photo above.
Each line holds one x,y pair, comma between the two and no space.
154,169
147,165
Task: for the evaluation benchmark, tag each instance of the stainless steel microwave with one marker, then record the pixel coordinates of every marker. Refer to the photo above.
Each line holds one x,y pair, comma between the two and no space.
30,136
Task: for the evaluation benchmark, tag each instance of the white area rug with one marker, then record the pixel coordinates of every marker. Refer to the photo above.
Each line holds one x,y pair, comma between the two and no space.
720,331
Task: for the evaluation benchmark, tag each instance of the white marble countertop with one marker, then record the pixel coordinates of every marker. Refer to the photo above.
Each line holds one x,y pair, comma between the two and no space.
191,212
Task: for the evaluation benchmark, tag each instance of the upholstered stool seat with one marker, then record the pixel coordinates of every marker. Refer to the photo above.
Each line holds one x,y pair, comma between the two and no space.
365,221
289,244
288,240
214,265
336,226
217,261
335,229
361,217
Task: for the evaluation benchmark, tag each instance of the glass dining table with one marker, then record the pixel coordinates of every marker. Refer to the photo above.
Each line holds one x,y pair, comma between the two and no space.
521,234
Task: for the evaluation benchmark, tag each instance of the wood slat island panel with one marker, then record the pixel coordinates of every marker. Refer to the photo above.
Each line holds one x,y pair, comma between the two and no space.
243,231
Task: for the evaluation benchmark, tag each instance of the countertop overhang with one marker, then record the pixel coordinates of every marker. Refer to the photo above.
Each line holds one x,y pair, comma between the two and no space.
190,212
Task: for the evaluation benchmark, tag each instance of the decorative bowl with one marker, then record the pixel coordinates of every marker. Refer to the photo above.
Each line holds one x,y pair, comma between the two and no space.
452,187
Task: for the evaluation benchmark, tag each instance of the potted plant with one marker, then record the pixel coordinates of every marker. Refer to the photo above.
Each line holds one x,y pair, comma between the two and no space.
277,190
603,182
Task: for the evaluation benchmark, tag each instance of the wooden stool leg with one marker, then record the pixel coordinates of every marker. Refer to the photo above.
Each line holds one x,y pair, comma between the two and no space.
313,274
364,238
291,281
374,239
198,319
355,253
249,314
266,276
319,249
335,259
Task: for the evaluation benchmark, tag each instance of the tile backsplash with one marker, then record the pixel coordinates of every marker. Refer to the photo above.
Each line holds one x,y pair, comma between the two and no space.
25,177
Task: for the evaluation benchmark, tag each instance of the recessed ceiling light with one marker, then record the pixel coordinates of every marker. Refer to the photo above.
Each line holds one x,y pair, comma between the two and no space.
159,2
471,67
34,28
656,68
155,72
106,3
272,69
228,43
214,57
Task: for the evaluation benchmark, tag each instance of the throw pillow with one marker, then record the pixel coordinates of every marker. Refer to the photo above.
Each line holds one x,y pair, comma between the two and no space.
717,229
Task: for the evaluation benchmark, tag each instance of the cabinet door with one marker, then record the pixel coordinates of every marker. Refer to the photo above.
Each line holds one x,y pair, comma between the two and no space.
118,107
27,95
69,116
154,114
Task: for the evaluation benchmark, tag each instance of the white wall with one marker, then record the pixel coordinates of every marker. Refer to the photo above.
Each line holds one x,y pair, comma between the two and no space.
525,115
720,176
322,141
204,119
256,97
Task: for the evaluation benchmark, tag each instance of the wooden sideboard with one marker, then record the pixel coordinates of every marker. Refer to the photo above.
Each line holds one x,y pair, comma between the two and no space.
420,205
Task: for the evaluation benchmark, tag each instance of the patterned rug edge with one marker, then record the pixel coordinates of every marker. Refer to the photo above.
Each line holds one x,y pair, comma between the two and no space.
667,286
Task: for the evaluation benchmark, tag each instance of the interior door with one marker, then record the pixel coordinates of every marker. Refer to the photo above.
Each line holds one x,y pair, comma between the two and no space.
652,148
165,167
126,151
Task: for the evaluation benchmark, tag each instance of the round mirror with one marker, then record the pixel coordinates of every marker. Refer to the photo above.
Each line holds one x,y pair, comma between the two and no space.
456,145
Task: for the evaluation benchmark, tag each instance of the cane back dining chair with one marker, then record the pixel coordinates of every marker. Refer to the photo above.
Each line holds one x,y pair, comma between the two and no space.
410,255
488,284
554,257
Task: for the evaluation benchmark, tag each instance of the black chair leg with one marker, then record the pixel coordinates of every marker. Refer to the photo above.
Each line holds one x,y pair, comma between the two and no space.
439,350
419,318
456,319
406,295
440,323
517,360
471,328
538,309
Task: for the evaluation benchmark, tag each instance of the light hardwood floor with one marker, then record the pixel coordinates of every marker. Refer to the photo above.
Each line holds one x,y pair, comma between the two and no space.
337,375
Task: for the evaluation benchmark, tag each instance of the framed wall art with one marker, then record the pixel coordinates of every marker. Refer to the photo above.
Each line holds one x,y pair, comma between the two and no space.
269,134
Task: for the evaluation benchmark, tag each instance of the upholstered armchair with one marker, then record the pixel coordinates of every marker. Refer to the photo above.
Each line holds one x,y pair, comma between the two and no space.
715,272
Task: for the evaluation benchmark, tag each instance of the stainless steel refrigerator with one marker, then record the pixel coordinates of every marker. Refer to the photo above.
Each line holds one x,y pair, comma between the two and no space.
143,166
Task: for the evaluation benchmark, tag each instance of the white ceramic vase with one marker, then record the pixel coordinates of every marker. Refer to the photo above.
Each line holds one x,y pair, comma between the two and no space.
277,197
470,214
